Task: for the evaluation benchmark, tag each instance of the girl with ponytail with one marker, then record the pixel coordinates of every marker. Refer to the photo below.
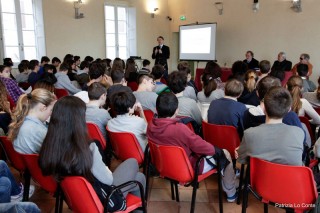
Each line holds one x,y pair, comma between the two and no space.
28,129
249,94
209,91
300,105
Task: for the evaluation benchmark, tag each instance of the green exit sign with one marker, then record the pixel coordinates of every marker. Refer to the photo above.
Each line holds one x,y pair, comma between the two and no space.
183,18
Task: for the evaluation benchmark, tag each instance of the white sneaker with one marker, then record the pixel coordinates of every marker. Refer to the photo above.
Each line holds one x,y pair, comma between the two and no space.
19,197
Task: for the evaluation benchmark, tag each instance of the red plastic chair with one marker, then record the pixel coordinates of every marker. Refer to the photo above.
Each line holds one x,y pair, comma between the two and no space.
133,85
46,182
12,104
307,123
222,136
60,92
280,184
13,156
82,198
287,75
125,146
148,114
172,163
96,134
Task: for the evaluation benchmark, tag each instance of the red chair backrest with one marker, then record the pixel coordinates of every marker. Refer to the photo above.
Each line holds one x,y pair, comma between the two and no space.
80,195
61,93
287,75
12,104
148,114
171,162
307,123
14,157
282,183
222,136
133,85
125,145
96,134
46,182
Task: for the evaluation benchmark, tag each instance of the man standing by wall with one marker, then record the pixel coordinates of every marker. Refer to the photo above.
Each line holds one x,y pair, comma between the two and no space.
161,53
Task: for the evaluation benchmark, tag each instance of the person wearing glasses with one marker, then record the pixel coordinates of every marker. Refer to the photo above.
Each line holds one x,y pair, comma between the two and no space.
304,59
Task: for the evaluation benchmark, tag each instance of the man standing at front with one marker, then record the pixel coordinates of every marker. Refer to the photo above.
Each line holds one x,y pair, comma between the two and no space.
161,53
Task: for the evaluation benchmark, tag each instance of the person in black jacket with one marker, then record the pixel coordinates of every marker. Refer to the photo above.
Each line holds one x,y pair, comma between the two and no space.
251,61
282,64
161,53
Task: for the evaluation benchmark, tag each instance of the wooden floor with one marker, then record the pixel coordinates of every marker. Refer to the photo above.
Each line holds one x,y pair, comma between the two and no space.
160,199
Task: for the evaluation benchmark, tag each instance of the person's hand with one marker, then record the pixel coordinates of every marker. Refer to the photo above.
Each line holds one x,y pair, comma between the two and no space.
155,51
108,79
137,107
236,155
160,51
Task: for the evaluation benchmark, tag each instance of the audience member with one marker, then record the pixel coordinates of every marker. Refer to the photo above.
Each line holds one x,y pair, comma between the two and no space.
63,81
249,95
144,94
118,64
300,105
67,57
308,86
251,61
209,90
264,69
11,86
239,68
95,113
56,62
304,59
45,84
77,60
124,105
82,73
188,107
31,113
24,74
215,70
282,64
184,67
68,151
131,73
5,110
145,67
44,60
313,97
49,74
35,75
72,71
89,59
167,130
227,111
273,141
157,72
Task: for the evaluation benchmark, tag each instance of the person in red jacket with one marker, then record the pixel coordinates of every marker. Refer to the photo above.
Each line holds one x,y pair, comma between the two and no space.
167,130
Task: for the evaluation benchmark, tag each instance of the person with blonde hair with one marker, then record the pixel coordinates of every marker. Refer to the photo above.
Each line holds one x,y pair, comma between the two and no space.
300,105
249,95
28,129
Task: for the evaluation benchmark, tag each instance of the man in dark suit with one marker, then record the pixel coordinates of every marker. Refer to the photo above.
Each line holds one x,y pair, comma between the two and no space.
282,64
161,53
251,62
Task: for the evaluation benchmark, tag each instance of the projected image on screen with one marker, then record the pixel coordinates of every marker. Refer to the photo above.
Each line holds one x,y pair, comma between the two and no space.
197,42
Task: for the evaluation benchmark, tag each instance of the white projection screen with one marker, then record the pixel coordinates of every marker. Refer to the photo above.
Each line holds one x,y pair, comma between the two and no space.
197,42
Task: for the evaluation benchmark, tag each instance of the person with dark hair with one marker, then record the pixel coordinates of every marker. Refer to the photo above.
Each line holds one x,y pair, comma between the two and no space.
83,74
304,59
145,94
264,66
124,105
313,97
89,59
119,85
63,81
273,141
118,64
177,82
167,130
282,64
35,75
161,53
227,111
67,57
44,60
131,73
67,150
191,89
157,72
72,72
45,84
215,70
145,67
48,74
11,86
31,113
249,95
95,113
239,68
251,61
279,74
24,74
77,60
8,63
56,62
308,86
209,91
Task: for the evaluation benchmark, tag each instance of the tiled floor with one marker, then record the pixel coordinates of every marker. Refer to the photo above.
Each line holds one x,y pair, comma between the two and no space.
160,199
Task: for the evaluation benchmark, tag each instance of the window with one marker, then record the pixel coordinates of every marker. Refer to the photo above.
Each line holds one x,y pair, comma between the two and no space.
120,31
22,29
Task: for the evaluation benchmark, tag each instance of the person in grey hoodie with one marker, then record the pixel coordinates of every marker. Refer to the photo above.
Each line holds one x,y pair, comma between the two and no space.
63,81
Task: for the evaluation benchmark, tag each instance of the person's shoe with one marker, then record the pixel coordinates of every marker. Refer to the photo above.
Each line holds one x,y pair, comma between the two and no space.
19,197
232,198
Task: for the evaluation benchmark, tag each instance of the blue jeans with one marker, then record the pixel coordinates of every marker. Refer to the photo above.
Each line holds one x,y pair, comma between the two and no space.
20,207
8,185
